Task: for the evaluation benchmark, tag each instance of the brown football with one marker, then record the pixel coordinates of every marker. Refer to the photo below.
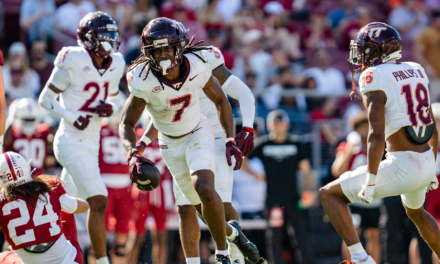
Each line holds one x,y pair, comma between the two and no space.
149,179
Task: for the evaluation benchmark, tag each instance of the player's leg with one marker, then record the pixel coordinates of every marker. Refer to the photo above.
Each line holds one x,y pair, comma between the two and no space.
159,236
371,220
81,163
189,232
224,179
426,224
123,213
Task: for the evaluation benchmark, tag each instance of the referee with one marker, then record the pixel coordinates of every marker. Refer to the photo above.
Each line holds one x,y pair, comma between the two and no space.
282,155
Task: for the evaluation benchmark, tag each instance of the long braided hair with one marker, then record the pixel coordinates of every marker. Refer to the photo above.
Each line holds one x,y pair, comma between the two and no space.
188,49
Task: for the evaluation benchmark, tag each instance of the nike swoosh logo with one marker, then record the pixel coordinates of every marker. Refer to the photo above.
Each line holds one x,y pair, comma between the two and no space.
79,122
51,105
112,69
190,79
218,138
247,134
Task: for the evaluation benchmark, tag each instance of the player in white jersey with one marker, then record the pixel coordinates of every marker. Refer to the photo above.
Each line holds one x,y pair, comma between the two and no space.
399,113
168,79
190,233
87,79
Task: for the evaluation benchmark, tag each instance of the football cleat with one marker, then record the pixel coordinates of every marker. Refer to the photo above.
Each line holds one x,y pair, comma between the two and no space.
369,260
246,247
221,259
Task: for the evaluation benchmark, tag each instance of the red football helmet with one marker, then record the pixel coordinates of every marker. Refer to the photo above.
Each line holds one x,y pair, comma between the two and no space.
98,32
162,32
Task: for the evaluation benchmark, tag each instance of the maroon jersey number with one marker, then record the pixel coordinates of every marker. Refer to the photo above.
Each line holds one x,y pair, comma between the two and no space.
421,111
185,100
93,85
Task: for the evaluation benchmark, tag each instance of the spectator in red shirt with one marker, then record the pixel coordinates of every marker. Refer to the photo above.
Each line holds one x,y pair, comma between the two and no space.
318,34
210,18
324,113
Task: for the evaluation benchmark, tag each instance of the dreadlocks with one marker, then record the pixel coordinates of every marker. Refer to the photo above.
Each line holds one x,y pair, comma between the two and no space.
188,49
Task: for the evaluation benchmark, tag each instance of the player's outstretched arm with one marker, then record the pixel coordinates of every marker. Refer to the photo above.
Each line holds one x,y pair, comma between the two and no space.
131,113
214,92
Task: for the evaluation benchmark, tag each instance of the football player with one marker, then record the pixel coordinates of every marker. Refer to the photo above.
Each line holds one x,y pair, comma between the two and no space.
26,136
396,97
86,78
233,86
168,79
31,213
114,172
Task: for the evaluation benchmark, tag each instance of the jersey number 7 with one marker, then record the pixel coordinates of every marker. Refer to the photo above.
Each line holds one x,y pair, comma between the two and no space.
185,100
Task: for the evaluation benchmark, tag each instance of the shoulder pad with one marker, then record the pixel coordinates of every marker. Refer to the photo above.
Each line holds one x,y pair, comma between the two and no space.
214,56
137,85
66,56
118,58
197,63
370,80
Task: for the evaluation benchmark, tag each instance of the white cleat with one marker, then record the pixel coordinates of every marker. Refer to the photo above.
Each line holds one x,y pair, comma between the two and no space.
369,260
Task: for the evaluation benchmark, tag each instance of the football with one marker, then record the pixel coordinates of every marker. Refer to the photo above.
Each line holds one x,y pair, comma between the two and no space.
149,179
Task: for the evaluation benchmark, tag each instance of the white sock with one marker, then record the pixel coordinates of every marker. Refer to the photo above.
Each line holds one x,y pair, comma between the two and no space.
357,252
103,260
234,233
234,253
221,252
193,260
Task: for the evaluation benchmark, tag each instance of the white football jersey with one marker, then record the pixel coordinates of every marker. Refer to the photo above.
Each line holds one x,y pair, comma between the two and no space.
406,87
175,107
89,84
215,59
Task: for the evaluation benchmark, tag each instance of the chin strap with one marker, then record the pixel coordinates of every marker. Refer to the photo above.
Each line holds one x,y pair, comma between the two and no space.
354,91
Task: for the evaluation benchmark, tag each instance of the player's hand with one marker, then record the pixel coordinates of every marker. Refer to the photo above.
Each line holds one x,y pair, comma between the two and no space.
135,161
245,140
433,185
366,194
2,61
82,122
140,145
104,109
233,150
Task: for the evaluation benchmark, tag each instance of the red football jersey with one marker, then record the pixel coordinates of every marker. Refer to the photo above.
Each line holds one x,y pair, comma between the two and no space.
32,148
25,225
112,153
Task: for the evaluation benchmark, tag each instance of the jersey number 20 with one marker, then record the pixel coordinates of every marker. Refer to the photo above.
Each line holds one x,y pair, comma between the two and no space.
38,219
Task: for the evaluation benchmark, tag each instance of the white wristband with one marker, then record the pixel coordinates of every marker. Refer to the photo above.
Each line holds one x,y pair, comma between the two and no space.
230,139
371,179
145,139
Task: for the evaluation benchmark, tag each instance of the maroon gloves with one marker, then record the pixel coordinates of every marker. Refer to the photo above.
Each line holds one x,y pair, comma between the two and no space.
2,61
82,122
104,109
134,161
233,150
140,145
245,140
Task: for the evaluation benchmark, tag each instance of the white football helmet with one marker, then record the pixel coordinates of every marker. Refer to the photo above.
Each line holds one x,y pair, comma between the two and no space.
26,115
14,169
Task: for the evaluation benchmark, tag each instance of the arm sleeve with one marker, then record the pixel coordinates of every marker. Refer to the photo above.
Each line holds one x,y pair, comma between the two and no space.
48,101
239,90
68,204
60,78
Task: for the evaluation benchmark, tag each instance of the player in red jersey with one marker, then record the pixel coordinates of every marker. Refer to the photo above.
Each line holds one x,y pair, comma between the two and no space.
114,172
159,202
26,136
30,214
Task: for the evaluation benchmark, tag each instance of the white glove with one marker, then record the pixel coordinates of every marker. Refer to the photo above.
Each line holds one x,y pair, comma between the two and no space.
366,194
433,185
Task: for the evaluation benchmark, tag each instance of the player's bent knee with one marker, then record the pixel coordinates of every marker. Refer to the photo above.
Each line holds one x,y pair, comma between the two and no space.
415,214
98,203
324,193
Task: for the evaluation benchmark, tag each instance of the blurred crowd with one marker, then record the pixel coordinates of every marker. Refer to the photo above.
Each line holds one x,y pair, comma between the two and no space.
291,53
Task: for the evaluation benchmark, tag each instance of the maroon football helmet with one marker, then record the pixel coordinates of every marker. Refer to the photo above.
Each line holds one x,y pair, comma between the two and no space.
98,32
375,43
162,32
